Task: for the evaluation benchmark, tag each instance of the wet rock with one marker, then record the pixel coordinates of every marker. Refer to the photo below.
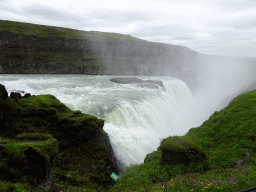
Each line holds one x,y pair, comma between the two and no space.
147,85
15,96
127,80
160,83
139,82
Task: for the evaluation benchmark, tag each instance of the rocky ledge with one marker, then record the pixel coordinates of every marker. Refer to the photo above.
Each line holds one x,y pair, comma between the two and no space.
153,84
45,144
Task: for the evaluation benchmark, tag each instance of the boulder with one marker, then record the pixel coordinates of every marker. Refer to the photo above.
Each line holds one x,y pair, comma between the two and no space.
3,92
24,157
127,80
27,95
142,83
148,85
176,150
15,96
160,83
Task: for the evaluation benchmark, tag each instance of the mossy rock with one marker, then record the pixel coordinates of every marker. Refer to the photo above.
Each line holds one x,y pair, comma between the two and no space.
25,161
47,148
7,105
42,133
33,136
177,150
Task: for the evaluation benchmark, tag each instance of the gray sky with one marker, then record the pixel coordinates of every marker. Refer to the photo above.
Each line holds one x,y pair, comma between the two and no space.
223,27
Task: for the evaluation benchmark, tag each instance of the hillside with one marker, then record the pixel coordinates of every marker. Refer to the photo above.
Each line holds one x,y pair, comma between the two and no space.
228,140
29,48
38,49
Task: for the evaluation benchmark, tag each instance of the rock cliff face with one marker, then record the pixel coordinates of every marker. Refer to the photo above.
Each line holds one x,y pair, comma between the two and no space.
28,49
24,50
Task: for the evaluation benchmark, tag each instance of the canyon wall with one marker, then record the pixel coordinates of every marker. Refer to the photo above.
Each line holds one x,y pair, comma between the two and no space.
54,50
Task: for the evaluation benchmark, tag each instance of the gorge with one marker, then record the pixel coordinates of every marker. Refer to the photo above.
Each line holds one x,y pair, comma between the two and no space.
76,68
37,49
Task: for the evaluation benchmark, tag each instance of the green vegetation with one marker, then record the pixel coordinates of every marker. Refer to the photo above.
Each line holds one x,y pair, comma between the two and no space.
68,142
58,32
46,49
33,136
223,137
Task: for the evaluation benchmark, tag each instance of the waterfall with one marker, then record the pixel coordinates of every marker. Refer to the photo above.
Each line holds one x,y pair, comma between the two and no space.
136,127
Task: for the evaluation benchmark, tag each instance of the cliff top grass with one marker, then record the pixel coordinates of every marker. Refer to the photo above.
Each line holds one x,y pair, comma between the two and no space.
58,32
50,102
225,137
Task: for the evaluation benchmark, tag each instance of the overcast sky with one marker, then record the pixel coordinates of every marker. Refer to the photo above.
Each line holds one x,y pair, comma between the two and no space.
222,27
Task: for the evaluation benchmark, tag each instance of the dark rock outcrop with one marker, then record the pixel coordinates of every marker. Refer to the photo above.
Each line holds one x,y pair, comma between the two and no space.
3,92
153,84
27,95
29,161
147,85
77,142
15,96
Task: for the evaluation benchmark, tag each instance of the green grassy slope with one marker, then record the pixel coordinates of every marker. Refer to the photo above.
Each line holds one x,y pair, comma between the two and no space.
225,137
57,32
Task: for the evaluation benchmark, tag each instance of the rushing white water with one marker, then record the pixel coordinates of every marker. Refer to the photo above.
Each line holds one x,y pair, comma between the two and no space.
136,118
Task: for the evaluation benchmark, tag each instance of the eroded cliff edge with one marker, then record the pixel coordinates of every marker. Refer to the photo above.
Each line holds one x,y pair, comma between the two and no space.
37,49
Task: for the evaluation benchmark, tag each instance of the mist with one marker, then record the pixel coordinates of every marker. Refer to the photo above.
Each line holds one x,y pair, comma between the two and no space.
220,79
